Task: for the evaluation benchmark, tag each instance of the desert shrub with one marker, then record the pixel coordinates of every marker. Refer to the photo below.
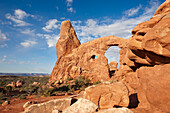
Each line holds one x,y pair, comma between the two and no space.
63,88
81,82
31,90
49,92
23,96
2,90
2,82
98,82
68,78
16,96
2,96
44,80
8,89
40,91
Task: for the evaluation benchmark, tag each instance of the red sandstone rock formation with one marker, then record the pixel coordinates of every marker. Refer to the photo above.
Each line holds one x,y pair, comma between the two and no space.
144,61
87,59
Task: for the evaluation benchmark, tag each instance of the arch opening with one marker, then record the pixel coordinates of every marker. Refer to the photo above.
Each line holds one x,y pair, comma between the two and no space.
113,56
94,57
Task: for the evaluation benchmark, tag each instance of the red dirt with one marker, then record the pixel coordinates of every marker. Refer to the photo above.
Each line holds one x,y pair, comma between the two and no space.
16,105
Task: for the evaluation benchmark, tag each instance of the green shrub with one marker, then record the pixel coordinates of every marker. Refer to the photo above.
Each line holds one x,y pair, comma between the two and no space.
49,92
16,96
1,95
2,82
23,96
8,88
2,90
98,82
68,78
81,82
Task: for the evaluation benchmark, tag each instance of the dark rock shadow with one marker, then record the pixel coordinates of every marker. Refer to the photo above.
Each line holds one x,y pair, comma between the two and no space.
133,101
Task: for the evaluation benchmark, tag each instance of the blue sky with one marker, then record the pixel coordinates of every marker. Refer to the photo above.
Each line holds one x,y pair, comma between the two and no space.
29,29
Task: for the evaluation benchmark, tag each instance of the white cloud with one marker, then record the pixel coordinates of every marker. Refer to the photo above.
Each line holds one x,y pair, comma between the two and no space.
19,14
70,9
18,17
69,2
28,43
6,22
69,6
17,21
133,11
51,25
51,39
3,37
3,59
62,18
3,45
28,32
94,28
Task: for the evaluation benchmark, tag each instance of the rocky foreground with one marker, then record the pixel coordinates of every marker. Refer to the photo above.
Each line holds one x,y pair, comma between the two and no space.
141,83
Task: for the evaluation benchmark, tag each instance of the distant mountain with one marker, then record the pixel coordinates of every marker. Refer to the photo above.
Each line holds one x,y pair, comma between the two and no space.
24,74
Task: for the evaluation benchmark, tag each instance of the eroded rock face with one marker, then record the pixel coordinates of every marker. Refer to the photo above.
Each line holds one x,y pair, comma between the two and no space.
108,95
87,59
150,42
145,59
155,87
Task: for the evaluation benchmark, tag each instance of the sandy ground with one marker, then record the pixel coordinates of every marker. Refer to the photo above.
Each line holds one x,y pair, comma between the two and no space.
16,105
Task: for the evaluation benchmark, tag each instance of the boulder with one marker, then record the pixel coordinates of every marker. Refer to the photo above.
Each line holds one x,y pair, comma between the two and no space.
35,83
55,111
113,66
115,110
5,103
108,95
13,84
154,82
81,106
48,107
19,83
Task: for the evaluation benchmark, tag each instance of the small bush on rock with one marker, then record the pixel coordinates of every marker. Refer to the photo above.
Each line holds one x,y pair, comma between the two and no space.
98,82
81,82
